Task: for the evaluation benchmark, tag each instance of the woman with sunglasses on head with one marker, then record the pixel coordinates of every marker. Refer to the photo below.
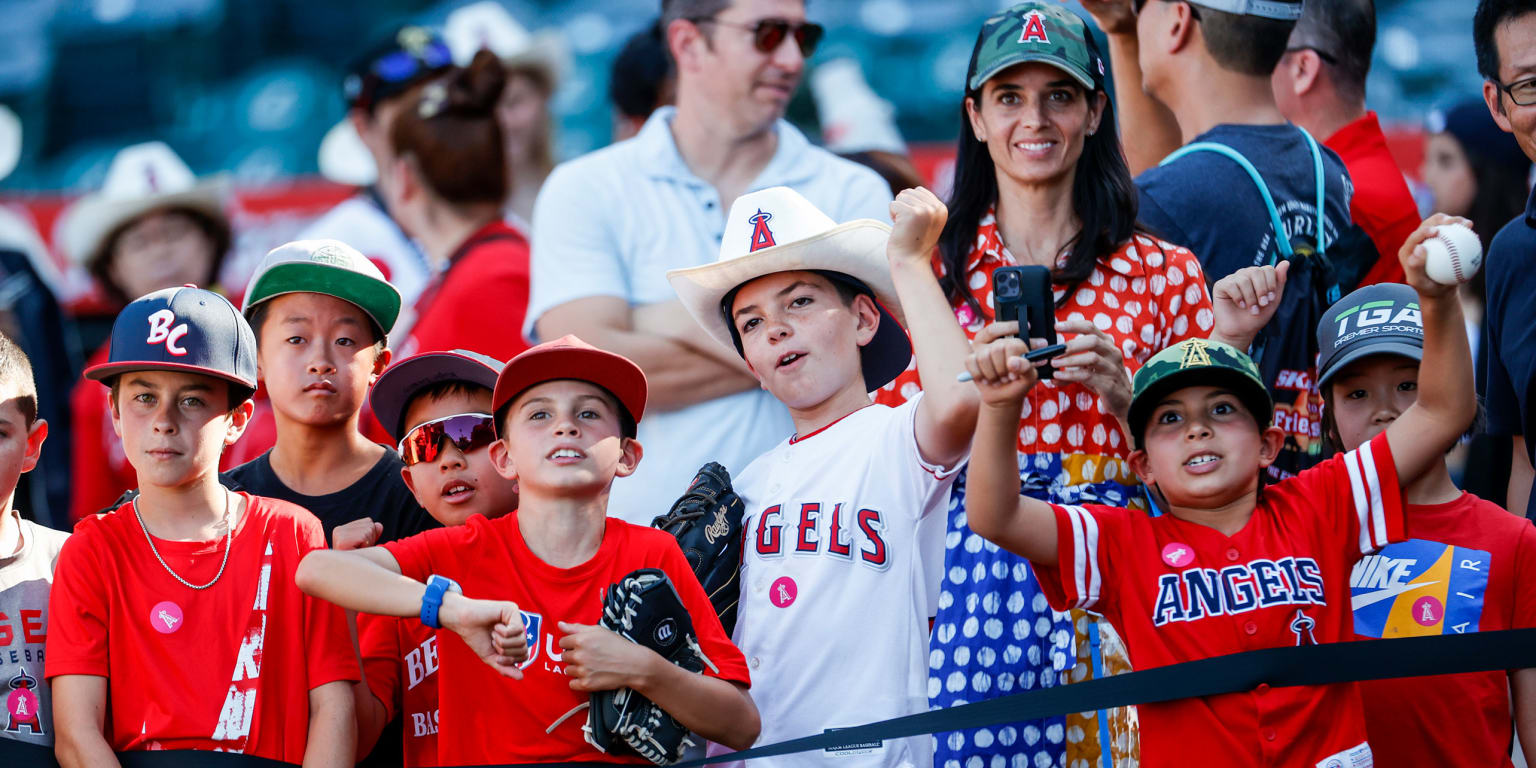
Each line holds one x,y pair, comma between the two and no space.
445,181
1040,180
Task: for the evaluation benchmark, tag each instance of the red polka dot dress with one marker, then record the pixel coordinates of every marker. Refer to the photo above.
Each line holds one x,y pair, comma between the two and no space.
1146,295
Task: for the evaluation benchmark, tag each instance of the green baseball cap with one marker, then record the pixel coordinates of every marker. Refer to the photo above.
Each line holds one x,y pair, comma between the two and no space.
1191,363
1036,31
328,267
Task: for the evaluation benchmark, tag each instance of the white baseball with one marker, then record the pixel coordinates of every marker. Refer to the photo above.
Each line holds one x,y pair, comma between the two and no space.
1453,255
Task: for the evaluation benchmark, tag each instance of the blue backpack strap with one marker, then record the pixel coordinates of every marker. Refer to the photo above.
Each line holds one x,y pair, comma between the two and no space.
1282,242
1106,746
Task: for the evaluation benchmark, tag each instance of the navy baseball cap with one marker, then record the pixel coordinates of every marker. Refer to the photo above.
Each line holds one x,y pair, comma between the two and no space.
1381,319
389,68
401,382
185,329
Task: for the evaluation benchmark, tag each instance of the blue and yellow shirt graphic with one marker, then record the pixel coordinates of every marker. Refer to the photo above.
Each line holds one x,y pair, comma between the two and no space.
1417,588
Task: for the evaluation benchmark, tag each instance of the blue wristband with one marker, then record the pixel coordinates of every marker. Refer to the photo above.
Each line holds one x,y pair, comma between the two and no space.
432,599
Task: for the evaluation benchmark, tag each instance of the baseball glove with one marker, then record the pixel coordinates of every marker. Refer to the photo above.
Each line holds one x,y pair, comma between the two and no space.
706,521
644,608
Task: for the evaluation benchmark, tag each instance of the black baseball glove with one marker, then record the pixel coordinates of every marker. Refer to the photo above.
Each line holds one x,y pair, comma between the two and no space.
644,608
706,521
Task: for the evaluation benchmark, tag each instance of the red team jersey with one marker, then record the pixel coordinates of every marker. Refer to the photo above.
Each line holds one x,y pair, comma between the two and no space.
400,665
1457,573
479,303
227,668
1179,591
504,720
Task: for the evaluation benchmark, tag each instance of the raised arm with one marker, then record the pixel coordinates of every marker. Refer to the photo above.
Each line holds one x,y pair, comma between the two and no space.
946,416
1149,131
369,580
1244,302
1446,403
993,507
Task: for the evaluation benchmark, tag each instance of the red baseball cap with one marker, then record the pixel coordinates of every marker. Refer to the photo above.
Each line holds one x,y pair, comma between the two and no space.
568,357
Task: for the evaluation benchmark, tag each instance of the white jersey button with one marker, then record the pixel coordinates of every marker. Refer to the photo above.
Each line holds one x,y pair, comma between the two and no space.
755,662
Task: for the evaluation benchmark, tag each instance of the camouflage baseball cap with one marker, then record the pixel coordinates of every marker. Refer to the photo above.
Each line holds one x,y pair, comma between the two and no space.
1036,31
1196,362
1381,319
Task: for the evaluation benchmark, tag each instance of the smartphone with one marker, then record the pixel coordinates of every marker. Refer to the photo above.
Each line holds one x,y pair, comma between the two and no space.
1024,294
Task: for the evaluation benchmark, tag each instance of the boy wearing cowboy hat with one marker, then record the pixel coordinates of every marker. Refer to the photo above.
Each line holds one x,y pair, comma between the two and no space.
152,225
175,621
835,599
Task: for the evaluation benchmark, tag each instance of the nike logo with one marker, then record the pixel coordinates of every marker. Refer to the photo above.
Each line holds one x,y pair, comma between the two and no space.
1370,598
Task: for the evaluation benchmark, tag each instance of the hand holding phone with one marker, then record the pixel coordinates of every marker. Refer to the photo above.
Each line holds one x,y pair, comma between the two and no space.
1023,294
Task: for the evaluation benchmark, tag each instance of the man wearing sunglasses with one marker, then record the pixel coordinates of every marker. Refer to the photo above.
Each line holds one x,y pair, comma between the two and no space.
1320,86
608,226
436,406
1504,34
354,150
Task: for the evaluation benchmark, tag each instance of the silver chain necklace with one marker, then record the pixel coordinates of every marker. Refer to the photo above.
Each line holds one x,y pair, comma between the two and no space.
228,535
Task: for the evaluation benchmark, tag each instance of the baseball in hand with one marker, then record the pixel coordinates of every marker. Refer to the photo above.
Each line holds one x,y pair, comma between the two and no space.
1453,255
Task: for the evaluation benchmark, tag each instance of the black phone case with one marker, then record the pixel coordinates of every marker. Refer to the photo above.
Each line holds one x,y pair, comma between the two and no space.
1033,305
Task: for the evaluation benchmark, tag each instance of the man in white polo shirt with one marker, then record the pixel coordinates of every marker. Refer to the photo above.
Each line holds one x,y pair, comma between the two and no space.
608,226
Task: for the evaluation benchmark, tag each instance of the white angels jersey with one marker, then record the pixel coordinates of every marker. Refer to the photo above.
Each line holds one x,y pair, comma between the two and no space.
835,601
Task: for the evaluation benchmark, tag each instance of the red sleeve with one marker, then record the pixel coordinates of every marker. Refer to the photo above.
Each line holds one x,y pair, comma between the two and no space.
430,552
378,638
481,305
1083,536
1359,498
728,659
327,641
96,481
1389,217
78,615
1524,584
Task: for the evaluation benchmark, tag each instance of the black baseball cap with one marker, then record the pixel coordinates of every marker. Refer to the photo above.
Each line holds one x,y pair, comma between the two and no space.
410,55
185,329
1381,319
401,382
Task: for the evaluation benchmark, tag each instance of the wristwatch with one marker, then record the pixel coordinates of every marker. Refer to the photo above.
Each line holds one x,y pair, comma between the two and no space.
432,599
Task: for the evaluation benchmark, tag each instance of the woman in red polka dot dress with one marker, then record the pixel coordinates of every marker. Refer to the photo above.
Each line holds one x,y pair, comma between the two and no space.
1040,179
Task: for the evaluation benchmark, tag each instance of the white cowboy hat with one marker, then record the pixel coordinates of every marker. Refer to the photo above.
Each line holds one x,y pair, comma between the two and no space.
487,25
142,178
344,158
778,230
10,141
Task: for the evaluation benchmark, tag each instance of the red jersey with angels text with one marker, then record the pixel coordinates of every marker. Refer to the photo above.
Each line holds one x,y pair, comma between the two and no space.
1180,591
488,718
400,667
225,668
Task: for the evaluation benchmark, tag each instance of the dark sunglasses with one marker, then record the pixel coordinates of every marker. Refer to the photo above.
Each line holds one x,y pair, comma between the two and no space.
467,431
769,34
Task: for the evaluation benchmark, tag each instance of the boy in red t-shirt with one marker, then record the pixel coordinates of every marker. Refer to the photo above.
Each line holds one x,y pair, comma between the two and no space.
175,622
437,408
565,414
1230,567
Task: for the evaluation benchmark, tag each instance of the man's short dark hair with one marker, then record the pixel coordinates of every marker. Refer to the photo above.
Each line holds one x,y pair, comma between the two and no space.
1344,34
672,10
16,379
1249,45
1490,14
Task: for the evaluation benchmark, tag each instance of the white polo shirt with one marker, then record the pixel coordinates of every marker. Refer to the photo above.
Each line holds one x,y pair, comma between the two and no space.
611,223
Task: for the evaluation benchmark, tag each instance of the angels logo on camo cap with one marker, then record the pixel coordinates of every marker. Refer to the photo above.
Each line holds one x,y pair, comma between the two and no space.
1036,31
181,329
1192,363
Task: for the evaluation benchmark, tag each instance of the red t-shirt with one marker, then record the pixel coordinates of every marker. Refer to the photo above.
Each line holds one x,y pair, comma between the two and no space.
1458,573
1179,591
225,668
400,665
479,303
1381,204
102,471
487,718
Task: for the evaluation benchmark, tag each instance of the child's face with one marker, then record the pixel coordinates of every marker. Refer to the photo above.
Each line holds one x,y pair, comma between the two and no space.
457,484
1202,448
20,445
799,338
562,438
1369,394
317,358
174,425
